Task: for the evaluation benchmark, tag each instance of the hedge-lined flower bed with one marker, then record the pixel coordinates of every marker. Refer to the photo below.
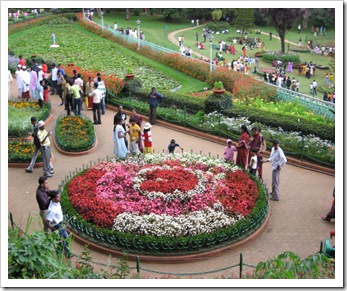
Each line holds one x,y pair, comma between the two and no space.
21,152
149,199
19,114
75,133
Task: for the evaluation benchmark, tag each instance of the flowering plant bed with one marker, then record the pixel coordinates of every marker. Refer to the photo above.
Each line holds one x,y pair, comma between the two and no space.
21,152
176,199
19,114
75,134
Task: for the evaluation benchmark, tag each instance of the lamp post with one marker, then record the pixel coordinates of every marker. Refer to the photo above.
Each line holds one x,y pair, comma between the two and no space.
138,33
210,37
102,20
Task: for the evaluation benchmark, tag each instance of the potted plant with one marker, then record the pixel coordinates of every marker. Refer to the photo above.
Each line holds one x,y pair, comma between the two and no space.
130,74
218,88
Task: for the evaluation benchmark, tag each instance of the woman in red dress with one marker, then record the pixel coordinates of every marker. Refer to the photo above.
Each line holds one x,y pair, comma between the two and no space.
243,147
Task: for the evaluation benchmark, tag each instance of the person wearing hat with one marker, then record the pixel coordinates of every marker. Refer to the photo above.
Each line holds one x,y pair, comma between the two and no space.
277,160
37,144
25,83
43,136
19,80
147,139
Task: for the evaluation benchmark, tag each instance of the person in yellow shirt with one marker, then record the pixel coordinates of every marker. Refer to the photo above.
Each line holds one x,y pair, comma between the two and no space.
134,131
43,136
331,79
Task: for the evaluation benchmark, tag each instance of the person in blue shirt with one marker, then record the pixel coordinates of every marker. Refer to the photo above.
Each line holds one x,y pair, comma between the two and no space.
154,99
62,71
172,145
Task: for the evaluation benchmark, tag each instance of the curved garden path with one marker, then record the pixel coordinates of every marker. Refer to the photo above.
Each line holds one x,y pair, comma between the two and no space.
295,223
172,37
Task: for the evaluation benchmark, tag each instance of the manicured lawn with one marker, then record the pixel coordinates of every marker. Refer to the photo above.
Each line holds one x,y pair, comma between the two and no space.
91,51
153,28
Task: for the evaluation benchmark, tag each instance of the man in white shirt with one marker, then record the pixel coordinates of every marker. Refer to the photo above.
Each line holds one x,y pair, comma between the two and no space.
102,88
19,80
97,96
277,160
314,85
115,26
25,83
54,79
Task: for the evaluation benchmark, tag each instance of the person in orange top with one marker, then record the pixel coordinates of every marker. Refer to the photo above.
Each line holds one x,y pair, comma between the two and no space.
44,68
22,62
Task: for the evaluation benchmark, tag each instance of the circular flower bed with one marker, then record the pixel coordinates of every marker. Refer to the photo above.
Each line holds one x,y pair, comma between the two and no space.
75,134
163,197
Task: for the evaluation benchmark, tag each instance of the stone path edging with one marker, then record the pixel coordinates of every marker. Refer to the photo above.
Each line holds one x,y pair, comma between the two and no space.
77,153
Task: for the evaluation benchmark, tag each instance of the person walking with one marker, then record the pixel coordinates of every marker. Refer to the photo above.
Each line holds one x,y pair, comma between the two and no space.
154,99
43,200
37,144
277,160
97,95
243,147
43,136
77,100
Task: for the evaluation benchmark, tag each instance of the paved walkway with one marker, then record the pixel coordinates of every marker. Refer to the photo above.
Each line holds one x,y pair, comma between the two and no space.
295,223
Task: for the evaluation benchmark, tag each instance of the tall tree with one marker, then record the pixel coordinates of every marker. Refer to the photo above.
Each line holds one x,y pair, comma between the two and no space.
283,20
244,18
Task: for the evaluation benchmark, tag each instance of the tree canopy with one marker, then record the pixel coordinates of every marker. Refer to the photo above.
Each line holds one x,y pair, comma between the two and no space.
283,20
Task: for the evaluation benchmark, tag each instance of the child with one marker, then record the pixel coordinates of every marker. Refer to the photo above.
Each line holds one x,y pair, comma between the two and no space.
45,85
229,152
134,131
253,162
171,147
39,93
147,137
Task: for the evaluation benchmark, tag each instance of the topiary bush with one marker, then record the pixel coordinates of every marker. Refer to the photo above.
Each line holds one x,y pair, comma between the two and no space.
133,86
284,58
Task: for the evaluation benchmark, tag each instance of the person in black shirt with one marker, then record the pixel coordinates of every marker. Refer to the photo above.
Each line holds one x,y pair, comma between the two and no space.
42,199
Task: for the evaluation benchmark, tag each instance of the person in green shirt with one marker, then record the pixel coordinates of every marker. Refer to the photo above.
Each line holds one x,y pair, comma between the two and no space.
77,101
